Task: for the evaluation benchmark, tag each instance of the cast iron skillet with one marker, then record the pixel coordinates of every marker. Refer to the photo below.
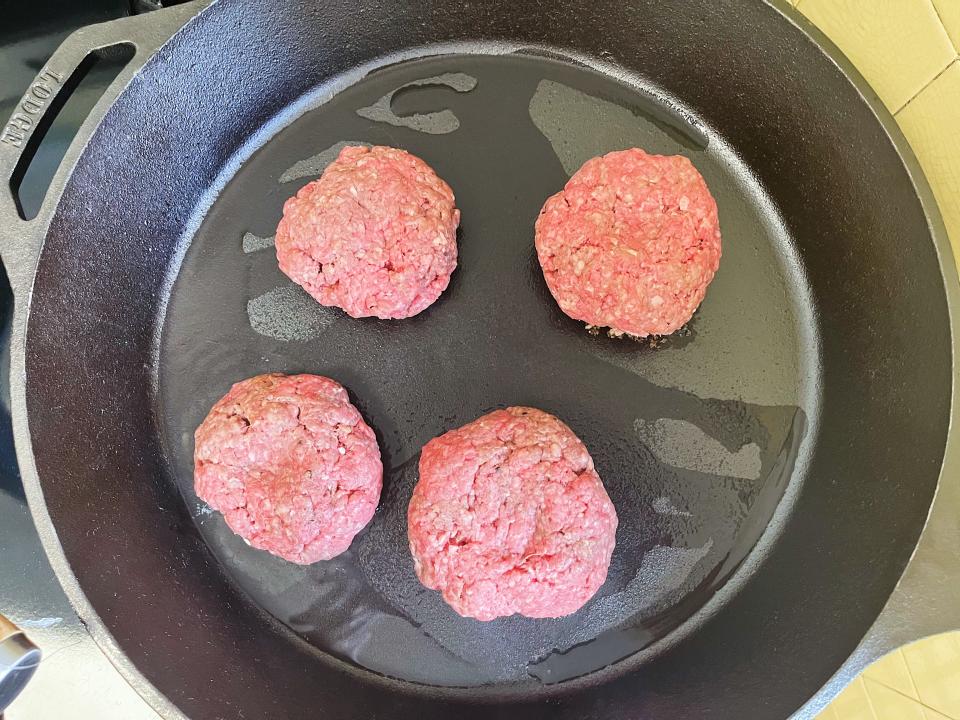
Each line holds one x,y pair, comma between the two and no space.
772,466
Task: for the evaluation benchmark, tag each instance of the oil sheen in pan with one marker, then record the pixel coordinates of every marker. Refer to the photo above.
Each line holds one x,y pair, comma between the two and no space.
695,440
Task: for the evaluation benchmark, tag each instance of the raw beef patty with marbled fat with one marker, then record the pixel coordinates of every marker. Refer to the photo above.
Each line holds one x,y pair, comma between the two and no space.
291,464
509,516
630,243
375,235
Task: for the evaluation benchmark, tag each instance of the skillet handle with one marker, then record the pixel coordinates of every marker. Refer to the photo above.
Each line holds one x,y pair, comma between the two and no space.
19,659
927,599
22,238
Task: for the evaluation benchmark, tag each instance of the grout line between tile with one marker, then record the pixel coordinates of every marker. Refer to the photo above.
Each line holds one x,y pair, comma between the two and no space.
866,691
936,12
913,683
913,680
796,5
921,703
925,86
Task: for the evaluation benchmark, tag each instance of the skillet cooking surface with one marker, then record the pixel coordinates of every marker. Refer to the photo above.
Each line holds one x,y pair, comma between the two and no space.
695,440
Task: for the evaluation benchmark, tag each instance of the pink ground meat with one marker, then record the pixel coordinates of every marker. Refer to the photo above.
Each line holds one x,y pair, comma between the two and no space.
509,516
630,243
291,464
375,235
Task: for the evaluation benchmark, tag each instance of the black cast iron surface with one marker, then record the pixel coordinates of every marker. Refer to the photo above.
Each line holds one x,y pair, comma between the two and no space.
824,184
75,677
696,439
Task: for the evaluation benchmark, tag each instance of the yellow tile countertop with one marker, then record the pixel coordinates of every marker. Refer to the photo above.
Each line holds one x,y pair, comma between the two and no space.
908,51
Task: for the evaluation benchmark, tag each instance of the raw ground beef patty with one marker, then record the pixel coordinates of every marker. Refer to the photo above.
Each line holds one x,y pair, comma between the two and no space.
291,464
630,243
375,235
509,516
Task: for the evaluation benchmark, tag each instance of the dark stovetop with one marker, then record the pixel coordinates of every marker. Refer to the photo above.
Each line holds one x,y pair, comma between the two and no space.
75,679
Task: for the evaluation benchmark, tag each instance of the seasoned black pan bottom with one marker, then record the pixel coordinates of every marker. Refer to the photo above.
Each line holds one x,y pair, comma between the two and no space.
697,440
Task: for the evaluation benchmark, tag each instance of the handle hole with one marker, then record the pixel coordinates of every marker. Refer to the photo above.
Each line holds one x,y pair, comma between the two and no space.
59,125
